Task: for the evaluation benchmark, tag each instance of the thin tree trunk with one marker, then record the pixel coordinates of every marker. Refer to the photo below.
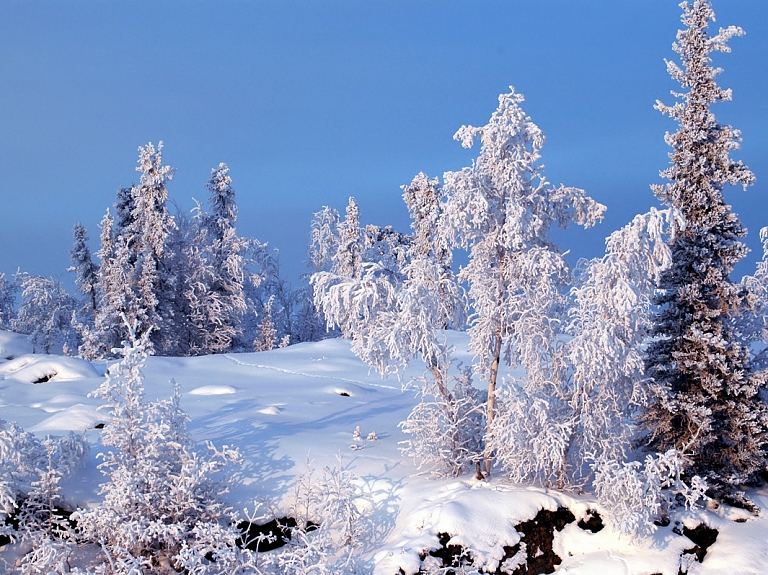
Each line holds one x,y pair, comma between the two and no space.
492,399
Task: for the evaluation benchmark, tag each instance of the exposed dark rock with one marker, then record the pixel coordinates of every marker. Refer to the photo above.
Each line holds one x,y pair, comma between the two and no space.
703,537
593,523
343,394
45,378
269,536
538,534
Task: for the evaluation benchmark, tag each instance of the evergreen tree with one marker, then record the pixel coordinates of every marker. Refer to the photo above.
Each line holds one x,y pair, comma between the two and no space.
8,291
502,209
348,260
705,400
86,272
152,279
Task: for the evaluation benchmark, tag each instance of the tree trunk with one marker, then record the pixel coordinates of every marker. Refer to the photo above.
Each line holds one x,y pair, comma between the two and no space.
492,399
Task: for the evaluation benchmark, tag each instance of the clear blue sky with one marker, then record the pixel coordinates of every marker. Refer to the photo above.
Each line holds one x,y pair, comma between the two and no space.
311,102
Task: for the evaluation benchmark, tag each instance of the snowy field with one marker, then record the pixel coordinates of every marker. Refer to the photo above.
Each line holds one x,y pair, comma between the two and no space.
284,407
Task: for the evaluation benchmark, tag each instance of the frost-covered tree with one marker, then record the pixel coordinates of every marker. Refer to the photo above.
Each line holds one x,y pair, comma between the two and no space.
560,432
45,314
162,500
501,209
348,259
395,311
225,255
86,271
8,290
152,280
705,401
30,472
114,295
267,337
324,237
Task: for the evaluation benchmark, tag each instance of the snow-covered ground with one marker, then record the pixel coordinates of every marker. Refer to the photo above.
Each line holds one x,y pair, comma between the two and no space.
284,407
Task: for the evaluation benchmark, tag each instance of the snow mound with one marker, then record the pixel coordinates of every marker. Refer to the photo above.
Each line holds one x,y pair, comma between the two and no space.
271,410
13,344
78,417
348,390
213,390
478,516
32,368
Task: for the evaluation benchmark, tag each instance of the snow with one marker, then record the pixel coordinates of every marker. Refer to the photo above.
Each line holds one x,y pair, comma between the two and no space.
284,406
13,344
33,368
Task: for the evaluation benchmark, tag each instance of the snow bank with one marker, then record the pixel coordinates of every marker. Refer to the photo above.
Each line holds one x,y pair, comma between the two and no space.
33,368
213,390
13,344
479,516
78,417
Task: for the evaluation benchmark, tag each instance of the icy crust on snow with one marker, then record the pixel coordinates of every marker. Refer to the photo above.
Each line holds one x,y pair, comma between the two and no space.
33,368
13,345
479,516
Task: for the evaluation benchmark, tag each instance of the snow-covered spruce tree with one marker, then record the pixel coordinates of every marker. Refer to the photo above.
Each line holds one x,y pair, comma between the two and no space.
348,259
45,314
135,278
86,278
705,400
225,254
152,279
502,209
8,291
162,503
114,296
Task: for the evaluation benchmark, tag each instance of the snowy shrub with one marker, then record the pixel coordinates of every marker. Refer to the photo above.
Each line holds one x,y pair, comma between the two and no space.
161,494
638,494
24,460
446,430
332,524
30,472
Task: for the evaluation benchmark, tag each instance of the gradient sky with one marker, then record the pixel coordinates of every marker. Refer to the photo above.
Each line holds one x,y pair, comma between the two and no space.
310,102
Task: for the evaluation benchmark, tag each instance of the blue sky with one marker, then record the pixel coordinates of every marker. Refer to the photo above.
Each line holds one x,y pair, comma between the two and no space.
310,102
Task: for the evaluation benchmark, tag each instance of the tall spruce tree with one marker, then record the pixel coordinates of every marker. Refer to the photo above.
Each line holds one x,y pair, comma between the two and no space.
705,397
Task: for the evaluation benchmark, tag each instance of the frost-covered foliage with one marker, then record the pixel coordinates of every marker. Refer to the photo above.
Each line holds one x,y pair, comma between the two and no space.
23,458
162,499
556,433
502,209
209,263
8,290
638,494
753,327
45,314
447,425
705,399
30,472
324,238
86,272
333,524
135,279
395,309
